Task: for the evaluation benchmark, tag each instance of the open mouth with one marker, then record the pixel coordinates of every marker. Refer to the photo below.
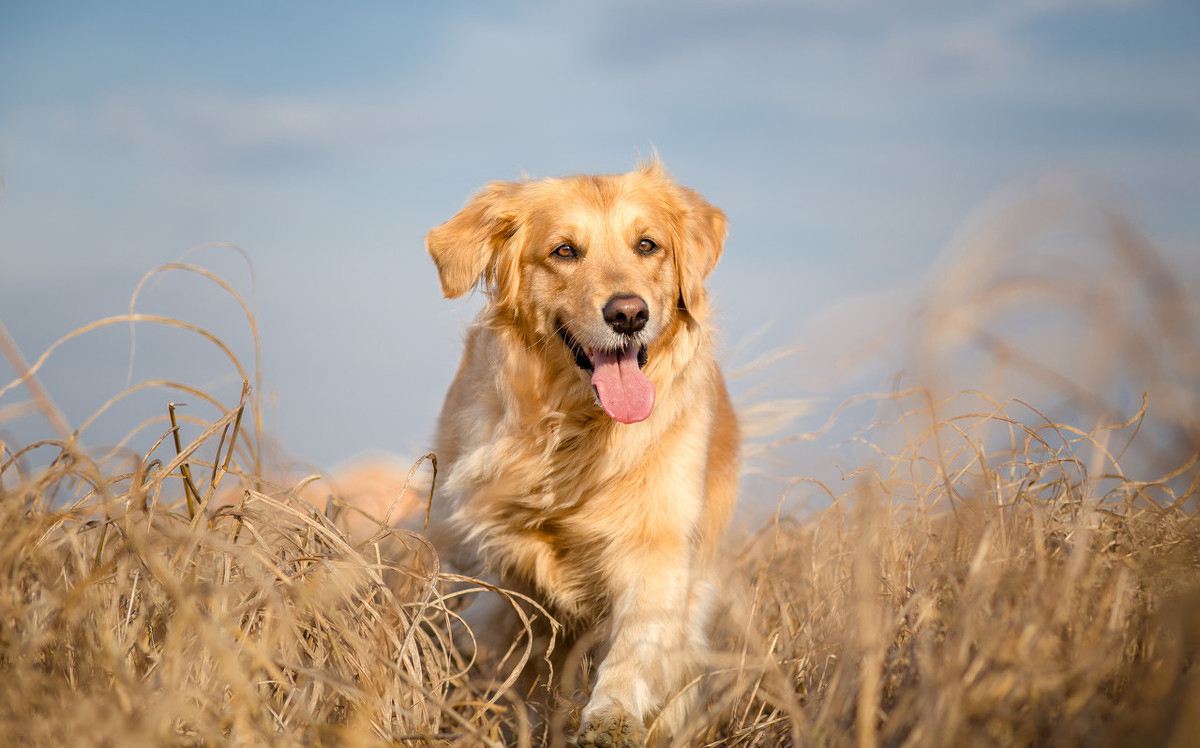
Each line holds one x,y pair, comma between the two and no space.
622,390
581,357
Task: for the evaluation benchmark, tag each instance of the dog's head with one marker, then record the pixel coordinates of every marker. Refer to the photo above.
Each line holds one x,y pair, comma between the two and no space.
608,265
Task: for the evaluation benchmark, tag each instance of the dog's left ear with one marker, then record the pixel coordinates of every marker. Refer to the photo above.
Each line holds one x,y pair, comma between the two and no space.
704,240
466,248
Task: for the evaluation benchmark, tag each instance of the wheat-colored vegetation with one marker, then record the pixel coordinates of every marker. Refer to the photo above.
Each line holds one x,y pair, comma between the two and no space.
990,576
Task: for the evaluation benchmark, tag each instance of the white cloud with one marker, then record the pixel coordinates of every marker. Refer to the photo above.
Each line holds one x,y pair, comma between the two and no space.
565,74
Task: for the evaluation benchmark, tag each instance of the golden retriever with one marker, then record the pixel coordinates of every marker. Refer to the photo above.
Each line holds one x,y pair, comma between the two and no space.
588,446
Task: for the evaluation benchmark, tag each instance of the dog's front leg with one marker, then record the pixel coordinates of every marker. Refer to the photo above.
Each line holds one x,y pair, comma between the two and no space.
654,634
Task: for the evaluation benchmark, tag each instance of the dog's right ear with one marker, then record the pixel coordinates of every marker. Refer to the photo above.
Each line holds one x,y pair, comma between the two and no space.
465,248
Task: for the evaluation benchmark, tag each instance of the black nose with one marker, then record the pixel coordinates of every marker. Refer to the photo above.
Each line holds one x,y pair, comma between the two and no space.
626,314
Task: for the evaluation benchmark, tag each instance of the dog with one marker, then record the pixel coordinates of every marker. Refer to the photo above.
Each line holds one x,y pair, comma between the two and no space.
588,446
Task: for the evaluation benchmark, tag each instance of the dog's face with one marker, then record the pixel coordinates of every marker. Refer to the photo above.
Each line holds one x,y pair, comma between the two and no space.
606,265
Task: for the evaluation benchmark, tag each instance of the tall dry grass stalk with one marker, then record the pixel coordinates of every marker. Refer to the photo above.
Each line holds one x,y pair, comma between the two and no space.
963,596
989,577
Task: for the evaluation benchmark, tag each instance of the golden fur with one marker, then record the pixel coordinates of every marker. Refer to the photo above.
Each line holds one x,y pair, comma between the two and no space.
540,488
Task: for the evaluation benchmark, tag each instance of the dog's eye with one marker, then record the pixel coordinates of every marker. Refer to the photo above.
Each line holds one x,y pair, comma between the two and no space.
647,246
566,251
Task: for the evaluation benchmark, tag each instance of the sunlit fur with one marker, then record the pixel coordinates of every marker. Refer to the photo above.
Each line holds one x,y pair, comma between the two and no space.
604,522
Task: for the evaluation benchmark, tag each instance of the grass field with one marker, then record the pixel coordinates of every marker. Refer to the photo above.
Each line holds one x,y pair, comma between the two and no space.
991,576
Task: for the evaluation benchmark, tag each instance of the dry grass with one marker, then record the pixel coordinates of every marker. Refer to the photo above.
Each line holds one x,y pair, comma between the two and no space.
967,597
989,576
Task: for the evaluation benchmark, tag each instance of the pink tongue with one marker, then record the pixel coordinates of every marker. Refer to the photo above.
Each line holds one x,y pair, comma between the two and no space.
623,389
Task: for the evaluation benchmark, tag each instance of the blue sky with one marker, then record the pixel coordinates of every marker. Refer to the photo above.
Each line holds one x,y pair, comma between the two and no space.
846,141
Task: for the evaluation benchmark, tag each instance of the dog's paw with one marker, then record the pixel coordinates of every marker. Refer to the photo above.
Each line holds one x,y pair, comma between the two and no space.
611,730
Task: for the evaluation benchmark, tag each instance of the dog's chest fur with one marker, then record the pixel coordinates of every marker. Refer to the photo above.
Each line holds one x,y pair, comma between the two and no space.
547,491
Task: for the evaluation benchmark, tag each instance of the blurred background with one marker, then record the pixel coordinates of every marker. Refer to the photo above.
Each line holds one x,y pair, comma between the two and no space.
857,148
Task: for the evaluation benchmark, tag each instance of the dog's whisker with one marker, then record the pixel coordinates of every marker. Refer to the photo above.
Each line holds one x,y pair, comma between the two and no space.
547,337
